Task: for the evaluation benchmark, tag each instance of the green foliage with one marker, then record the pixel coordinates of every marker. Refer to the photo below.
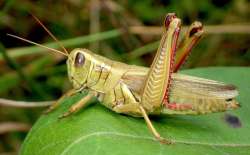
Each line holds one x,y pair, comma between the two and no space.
72,21
97,130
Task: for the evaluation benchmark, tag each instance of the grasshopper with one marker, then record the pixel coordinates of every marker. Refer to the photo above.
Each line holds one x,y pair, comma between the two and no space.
140,91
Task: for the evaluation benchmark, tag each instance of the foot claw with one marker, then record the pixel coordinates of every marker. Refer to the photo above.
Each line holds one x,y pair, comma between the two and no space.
64,115
165,141
48,111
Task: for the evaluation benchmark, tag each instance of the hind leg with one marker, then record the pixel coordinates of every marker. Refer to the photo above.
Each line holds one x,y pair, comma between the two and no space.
156,87
192,37
151,127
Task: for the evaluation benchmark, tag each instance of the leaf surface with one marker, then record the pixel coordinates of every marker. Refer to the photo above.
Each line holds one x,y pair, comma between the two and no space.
97,130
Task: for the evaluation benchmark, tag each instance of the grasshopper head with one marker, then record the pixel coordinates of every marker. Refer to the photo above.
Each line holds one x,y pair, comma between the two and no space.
78,64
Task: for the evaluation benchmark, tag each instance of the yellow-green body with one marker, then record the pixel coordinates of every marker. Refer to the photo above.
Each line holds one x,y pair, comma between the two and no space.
131,89
119,87
140,91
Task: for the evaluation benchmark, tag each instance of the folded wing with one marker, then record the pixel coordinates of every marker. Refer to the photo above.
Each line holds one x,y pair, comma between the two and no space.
188,93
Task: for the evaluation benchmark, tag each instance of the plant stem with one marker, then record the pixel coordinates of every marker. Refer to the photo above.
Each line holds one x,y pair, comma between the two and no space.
68,43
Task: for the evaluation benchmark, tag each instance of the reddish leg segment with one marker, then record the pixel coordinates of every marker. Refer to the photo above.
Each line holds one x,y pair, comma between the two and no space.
191,38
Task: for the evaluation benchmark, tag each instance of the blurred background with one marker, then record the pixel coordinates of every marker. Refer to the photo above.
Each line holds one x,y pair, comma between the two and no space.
124,30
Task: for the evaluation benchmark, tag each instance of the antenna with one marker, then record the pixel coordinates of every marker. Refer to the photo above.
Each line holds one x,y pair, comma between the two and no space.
48,31
40,45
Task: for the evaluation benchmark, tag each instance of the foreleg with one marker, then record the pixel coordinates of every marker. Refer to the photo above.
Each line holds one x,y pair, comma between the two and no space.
57,103
80,104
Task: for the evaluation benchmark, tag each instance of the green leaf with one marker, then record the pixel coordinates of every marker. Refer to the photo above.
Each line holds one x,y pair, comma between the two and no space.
97,130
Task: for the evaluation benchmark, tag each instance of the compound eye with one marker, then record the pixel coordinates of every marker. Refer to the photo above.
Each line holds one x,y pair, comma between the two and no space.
79,59
229,100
